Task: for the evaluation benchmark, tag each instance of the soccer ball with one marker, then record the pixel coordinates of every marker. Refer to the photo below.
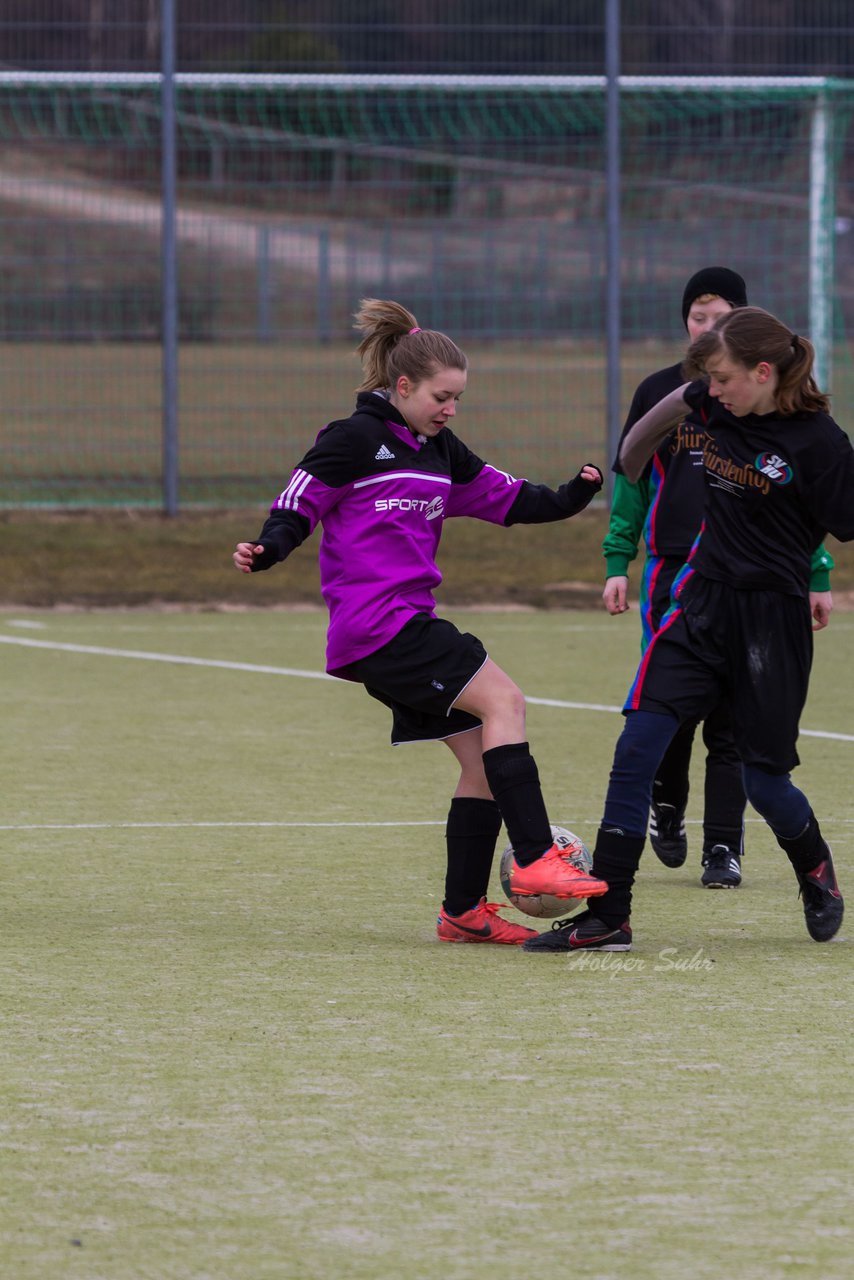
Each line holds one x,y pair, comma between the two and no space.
544,904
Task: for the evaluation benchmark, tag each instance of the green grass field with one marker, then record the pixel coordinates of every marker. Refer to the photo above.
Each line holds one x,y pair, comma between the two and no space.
83,426
234,1050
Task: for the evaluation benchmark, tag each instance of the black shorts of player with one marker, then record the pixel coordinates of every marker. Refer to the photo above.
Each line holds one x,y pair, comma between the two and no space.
717,732
419,675
750,648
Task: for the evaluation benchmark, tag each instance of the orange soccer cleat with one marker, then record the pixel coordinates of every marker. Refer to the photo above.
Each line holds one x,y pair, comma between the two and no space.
553,873
481,924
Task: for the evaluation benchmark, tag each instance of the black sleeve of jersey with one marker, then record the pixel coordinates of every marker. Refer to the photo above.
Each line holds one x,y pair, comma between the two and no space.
696,393
537,504
330,458
282,533
464,465
829,496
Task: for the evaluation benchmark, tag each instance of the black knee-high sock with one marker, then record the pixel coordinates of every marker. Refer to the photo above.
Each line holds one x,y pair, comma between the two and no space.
471,832
671,783
615,859
807,850
723,808
724,799
511,772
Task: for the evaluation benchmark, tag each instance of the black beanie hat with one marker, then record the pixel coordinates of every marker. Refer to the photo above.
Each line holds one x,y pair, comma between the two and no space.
720,281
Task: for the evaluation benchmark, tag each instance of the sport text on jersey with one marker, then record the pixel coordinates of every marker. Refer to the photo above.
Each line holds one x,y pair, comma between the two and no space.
430,508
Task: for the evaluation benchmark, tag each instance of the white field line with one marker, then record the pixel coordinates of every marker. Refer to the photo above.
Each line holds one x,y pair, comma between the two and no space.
159,826
175,658
217,826
260,669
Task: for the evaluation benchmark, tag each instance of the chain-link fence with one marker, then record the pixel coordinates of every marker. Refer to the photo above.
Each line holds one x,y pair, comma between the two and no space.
479,201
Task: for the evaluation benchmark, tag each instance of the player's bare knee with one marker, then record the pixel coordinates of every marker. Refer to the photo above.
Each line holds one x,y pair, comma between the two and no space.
508,705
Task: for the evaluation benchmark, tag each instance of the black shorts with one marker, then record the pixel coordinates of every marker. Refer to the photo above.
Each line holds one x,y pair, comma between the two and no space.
751,648
419,675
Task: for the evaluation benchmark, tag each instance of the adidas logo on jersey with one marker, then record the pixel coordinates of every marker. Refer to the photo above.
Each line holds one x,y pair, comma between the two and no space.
383,454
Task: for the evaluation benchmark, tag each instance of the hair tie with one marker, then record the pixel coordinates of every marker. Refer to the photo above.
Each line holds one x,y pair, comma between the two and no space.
411,331
795,339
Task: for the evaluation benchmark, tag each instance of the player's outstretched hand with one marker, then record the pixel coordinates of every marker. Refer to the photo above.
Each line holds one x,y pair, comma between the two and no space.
583,487
592,475
615,594
244,555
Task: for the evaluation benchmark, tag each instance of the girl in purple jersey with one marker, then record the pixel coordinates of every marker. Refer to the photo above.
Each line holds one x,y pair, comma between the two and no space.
779,475
381,483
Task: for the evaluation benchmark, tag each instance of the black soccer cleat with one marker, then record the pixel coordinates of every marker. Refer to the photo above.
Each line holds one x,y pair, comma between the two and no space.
721,868
667,834
823,904
582,932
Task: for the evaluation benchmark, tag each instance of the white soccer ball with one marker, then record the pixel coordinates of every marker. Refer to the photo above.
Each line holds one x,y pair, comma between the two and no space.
545,904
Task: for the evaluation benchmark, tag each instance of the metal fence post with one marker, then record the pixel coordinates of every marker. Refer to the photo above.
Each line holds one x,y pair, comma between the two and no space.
169,264
264,322
612,283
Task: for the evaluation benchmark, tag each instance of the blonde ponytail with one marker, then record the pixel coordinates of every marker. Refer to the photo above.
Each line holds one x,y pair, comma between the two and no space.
393,346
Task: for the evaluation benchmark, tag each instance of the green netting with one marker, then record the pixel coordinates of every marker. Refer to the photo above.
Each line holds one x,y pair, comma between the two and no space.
482,206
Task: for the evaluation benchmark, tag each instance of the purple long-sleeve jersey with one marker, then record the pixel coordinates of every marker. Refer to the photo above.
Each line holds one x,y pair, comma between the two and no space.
382,496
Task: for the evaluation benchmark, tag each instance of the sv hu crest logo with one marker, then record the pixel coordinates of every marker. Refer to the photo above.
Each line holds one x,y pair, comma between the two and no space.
773,466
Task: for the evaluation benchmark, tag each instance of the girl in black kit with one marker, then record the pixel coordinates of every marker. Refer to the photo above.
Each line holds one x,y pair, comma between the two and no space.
664,508
779,475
